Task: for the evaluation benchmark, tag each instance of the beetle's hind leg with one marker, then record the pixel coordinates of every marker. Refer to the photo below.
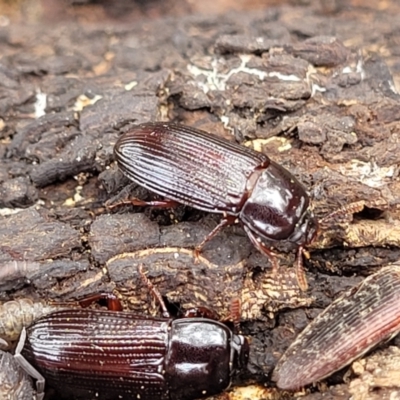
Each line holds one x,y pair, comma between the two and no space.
28,368
113,303
153,291
142,203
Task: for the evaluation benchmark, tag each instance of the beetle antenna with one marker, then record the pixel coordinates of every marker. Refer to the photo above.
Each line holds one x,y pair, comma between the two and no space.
345,210
235,311
300,274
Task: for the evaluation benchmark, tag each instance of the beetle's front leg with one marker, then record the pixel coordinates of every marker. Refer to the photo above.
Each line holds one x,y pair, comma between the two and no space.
301,277
262,248
225,221
201,312
28,368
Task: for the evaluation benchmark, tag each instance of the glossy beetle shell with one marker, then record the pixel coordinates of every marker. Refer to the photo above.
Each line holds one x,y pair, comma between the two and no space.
277,203
213,174
188,165
115,355
354,323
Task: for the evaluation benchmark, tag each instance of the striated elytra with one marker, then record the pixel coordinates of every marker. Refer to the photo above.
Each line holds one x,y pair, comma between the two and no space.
353,324
110,355
209,173
121,355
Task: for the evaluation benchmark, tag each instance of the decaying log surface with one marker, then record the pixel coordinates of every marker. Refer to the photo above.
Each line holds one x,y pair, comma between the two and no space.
315,89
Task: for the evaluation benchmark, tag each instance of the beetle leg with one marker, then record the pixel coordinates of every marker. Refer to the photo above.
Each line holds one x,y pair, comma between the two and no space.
262,248
142,203
113,303
28,368
301,277
227,220
154,292
201,312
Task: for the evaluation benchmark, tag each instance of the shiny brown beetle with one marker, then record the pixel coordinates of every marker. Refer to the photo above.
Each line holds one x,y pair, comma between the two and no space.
201,170
20,313
115,355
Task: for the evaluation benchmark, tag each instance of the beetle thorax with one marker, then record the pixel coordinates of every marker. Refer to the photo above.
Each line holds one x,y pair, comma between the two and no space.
276,205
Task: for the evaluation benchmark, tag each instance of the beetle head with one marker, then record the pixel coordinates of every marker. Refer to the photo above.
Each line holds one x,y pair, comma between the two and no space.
306,229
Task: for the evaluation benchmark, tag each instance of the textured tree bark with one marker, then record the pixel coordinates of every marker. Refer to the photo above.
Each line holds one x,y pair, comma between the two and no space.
313,88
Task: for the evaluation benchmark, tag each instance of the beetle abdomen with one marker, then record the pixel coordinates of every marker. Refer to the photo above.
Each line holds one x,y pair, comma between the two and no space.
100,353
188,165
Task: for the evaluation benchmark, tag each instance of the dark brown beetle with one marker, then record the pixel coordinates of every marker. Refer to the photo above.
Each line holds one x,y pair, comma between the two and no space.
361,318
209,173
120,355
